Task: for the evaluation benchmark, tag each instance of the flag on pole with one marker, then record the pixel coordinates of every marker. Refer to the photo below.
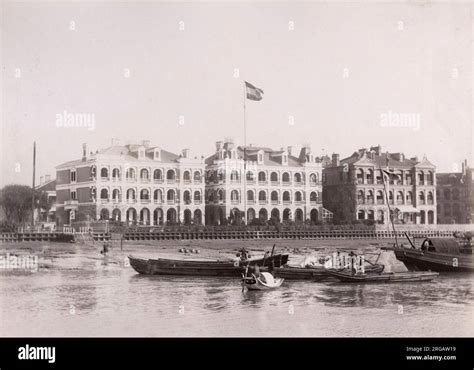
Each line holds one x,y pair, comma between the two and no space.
253,93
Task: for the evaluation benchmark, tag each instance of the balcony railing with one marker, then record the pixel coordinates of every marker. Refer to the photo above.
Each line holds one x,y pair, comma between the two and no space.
286,183
274,183
262,182
234,201
287,202
146,200
104,178
145,179
262,201
171,201
158,201
275,202
158,181
131,200
251,201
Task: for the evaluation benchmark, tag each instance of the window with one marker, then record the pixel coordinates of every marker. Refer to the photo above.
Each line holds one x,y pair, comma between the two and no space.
73,195
262,176
73,175
286,177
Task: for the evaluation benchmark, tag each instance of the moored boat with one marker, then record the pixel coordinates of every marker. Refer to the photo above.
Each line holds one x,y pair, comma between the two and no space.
265,281
387,277
437,254
314,273
201,267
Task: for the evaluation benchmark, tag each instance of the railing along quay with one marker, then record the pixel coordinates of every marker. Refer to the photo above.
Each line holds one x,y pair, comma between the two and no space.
291,235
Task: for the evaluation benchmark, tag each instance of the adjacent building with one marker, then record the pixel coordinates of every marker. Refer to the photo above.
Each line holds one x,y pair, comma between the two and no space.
455,196
137,184
45,216
247,183
354,189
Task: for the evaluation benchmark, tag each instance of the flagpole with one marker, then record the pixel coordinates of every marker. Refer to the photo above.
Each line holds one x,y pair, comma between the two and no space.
388,204
245,158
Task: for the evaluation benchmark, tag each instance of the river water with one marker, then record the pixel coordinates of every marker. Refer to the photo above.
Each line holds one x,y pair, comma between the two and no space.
82,293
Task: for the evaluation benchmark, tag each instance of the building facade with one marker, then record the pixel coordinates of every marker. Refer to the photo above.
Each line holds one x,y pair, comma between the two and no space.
455,196
353,188
46,217
136,184
248,183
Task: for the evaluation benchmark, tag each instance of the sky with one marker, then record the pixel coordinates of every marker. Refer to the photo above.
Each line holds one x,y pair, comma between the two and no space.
337,76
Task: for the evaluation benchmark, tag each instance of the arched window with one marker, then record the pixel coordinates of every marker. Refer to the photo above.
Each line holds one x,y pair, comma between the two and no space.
313,179
400,199
390,197
170,175
130,174
157,175
297,177
262,196
298,197
234,176
421,178
421,197
144,194
144,175
250,176
430,198
220,195
380,199
360,176
262,176
286,196
197,196
104,172
187,176
274,196
313,197
370,197
187,197
285,177
370,177
197,176
250,195
116,174
409,197
104,194
130,194
234,196
360,197
430,178
170,195
274,177
116,195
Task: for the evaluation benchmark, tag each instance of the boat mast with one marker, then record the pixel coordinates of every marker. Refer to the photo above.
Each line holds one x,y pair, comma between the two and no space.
245,158
33,188
388,203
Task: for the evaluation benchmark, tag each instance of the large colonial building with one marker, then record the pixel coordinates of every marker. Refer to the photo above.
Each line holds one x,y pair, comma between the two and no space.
247,183
137,184
455,196
354,188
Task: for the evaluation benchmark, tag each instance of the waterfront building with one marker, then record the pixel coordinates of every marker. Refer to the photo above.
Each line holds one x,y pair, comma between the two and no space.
248,183
45,217
137,184
353,188
455,196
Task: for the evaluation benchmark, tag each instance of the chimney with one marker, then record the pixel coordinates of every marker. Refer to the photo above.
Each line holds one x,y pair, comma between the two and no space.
185,153
47,178
42,178
146,143
219,145
335,159
463,166
288,149
84,151
377,149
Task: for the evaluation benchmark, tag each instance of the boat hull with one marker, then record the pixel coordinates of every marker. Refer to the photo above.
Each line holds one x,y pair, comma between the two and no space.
415,260
384,277
163,266
313,273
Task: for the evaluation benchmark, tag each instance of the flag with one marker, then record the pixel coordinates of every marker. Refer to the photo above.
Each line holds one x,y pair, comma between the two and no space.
253,93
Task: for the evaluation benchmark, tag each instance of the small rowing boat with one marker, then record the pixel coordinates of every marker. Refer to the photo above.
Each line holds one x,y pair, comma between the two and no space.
265,281
387,277
201,267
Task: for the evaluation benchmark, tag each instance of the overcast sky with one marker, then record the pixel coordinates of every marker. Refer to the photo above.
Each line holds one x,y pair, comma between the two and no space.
335,75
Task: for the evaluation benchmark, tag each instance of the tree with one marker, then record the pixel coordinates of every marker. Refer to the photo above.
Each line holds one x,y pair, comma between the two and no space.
15,201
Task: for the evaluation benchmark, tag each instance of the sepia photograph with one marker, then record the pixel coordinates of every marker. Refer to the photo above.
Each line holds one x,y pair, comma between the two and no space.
234,169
